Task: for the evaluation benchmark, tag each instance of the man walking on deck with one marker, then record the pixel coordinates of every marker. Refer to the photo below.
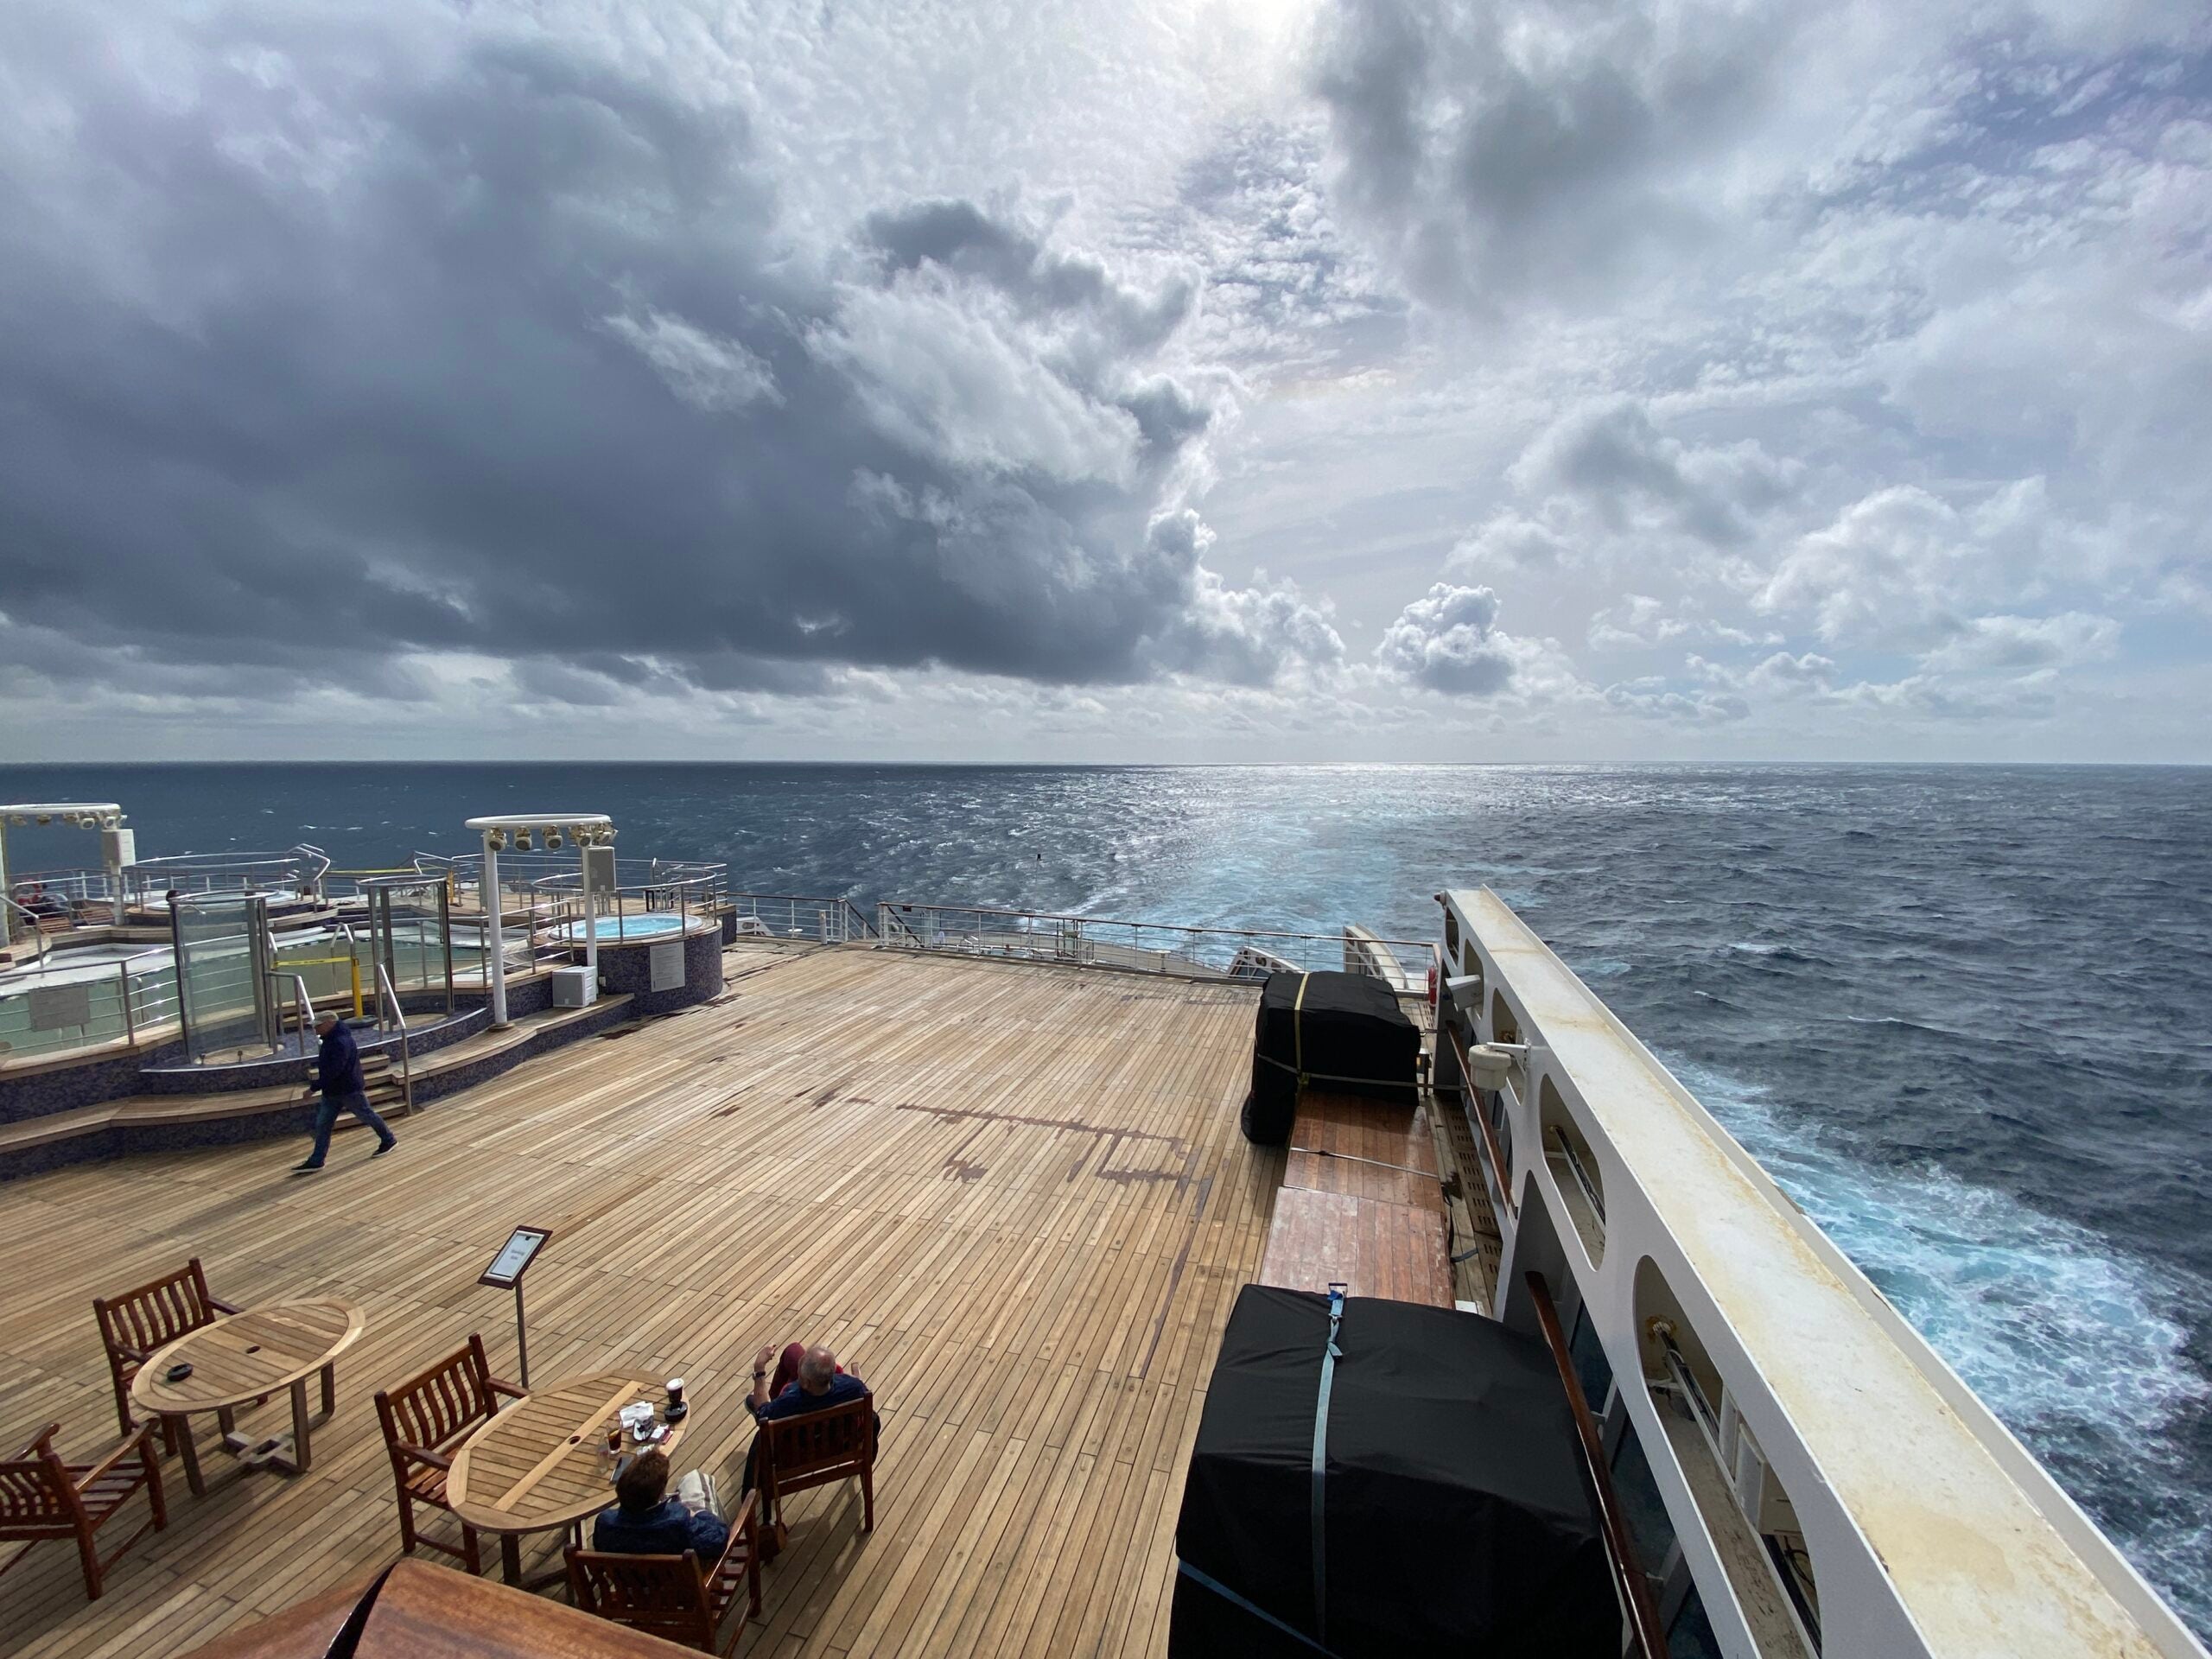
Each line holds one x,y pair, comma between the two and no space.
339,1079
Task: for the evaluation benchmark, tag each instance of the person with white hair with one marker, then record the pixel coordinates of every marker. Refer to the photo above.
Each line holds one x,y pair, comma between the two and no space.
808,1379
338,1079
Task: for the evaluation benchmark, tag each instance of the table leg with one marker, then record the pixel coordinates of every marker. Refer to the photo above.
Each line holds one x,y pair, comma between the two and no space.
226,1419
510,1557
330,1388
181,1427
301,1452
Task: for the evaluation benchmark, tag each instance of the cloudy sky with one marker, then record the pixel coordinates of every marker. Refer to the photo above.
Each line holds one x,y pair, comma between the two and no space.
1150,379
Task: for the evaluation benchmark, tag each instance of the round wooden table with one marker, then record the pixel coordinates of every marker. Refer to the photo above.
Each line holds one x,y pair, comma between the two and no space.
542,1462
242,1358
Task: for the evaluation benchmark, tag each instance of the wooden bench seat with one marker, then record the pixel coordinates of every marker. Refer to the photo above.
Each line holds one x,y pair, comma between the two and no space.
1361,1204
1371,1248
1367,1148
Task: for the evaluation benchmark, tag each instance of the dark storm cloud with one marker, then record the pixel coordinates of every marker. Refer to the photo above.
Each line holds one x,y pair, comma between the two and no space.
320,340
1533,148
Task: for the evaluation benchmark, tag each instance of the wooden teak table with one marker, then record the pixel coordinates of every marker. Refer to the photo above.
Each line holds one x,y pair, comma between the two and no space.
542,1464
242,1358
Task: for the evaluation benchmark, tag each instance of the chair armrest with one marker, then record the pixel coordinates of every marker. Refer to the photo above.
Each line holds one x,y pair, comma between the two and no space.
130,1443
744,1527
422,1454
221,1306
498,1386
37,1447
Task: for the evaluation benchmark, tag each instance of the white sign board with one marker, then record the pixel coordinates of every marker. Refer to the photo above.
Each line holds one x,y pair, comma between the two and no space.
57,1008
664,962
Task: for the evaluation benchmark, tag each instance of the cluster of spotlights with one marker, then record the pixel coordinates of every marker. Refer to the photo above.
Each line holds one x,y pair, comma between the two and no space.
550,836
74,820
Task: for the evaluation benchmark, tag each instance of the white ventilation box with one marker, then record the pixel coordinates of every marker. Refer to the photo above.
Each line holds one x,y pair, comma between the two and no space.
574,987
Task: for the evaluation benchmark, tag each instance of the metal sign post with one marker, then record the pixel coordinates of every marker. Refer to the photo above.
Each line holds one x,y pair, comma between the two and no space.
505,1273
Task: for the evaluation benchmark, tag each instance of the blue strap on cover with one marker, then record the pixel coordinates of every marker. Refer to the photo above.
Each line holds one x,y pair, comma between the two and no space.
1251,1607
1330,1355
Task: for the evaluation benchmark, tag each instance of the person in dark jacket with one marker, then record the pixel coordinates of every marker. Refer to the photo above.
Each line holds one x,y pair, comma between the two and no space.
646,1521
339,1081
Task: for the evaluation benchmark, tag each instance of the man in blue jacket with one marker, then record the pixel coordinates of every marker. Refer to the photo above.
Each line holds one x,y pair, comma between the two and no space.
339,1080
646,1521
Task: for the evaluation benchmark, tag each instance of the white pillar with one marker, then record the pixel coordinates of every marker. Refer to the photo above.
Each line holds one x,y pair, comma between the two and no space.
489,875
591,919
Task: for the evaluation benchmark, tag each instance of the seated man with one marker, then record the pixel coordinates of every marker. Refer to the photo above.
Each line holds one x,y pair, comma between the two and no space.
816,1380
647,1522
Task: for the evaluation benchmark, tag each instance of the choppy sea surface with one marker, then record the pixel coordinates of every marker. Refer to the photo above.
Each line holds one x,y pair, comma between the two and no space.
1963,1015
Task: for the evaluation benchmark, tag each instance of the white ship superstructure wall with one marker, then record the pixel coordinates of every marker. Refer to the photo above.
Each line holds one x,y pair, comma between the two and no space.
1808,1474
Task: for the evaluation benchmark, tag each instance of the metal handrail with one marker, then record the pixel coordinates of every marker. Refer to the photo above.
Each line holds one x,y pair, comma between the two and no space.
1500,1168
302,1004
1646,1639
1591,1193
1336,939
1151,947
45,940
387,995
852,922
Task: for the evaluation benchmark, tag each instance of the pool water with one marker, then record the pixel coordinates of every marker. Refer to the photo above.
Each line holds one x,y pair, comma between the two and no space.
628,927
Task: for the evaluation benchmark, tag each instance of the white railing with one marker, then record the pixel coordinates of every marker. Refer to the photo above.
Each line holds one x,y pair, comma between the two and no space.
298,871
1146,947
393,1017
789,916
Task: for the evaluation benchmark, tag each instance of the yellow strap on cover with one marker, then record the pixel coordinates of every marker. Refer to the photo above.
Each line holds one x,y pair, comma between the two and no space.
1298,1029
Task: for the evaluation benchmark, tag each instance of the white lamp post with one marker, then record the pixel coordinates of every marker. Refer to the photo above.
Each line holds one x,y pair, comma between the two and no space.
586,829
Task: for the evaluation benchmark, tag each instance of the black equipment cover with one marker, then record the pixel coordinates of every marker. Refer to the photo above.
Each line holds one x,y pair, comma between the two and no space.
1457,1512
1345,1033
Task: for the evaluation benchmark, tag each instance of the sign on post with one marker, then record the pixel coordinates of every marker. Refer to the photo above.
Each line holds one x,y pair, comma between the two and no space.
505,1274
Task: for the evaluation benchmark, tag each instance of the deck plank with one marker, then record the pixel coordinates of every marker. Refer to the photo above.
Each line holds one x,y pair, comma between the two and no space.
1013,1198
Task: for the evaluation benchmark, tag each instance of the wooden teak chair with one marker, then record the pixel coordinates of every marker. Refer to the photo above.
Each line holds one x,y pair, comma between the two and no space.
673,1597
135,1324
42,1496
818,1448
425,1419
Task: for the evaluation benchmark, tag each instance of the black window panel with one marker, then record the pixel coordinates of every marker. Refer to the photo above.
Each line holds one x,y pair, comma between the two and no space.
1592,1368
1646,1511
1690,1637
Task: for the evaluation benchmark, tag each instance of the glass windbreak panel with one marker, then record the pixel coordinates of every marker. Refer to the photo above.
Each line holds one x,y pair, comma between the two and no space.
408,927
327,964
217,963
1592,1368
1646,1511
60,1005
1690,1637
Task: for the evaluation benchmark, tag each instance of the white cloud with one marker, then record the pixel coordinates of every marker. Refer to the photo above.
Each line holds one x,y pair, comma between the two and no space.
706,370
2022,643
1894,568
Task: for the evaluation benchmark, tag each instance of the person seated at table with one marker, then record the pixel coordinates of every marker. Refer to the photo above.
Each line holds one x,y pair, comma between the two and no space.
807,1379
646,1521
37,901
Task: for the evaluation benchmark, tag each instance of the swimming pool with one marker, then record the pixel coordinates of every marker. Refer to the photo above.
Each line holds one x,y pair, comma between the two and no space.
620,928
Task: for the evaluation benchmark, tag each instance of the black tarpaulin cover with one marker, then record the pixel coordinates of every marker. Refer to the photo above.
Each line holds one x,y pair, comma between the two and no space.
1345,1031
1458,1518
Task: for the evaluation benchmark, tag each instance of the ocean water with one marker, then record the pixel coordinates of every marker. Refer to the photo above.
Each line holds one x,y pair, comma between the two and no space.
1963,1015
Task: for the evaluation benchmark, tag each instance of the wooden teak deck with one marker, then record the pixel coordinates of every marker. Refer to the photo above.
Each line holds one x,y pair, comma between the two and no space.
1014,1200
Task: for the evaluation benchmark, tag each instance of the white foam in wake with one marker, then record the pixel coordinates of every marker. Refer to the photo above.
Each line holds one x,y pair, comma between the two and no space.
2067,1339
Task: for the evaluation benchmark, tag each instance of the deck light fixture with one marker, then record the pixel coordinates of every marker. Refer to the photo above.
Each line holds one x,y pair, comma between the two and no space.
1489,1064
